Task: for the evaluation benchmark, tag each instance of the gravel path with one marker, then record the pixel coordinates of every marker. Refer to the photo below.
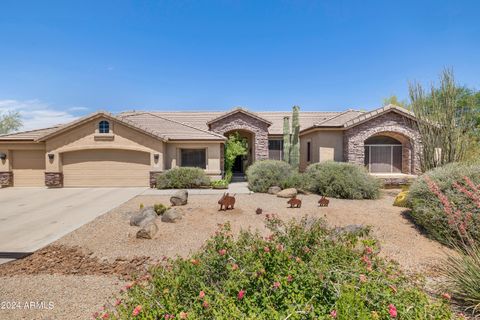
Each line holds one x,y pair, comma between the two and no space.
110,237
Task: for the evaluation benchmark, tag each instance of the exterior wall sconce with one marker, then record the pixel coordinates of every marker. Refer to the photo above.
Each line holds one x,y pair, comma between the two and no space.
156,156
51,156
3,156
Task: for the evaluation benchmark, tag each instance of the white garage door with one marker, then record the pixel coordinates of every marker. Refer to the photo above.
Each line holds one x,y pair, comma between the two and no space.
106,168
28,168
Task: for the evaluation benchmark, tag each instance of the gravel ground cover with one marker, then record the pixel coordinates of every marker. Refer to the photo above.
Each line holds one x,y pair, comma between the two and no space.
105,251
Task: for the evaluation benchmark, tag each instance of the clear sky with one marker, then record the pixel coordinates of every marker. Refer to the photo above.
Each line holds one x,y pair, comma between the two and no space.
61,59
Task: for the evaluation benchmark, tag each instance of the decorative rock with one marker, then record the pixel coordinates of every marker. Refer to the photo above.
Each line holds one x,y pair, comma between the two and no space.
172,215
274,190
179,198
351,229
259,211
144,216
148,231
287,193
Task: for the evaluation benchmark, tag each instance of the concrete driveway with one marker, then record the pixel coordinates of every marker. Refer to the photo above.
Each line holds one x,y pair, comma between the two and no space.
31,218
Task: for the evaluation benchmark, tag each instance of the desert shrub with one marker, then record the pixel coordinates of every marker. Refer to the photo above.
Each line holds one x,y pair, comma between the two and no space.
220,184
267,173
462,276
182,177
159,208
341,180
446,203
301,271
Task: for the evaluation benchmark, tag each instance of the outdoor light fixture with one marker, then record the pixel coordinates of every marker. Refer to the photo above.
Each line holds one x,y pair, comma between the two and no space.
3,156
156,156
51,156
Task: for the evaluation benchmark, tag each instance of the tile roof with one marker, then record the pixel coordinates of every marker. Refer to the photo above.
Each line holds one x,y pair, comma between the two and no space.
180,125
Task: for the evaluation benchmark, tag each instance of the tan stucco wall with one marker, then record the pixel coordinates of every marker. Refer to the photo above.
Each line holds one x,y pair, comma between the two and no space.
86,137
8,147
172,155
325,140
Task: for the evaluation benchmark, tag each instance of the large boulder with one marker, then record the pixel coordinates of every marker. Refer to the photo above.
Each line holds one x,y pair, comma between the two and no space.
179,198
172,215
148,231
287,193
274,190
141,218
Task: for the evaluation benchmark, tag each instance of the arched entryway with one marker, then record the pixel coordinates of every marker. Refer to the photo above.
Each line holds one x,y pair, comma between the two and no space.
388,152
242,162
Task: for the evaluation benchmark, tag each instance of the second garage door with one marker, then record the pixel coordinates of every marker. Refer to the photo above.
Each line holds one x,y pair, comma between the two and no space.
106,168
28,168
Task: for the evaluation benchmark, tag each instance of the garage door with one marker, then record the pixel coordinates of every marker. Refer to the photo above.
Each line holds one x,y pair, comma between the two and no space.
106,168
28,168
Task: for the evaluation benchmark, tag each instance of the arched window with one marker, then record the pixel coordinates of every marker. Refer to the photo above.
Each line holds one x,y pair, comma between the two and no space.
104,127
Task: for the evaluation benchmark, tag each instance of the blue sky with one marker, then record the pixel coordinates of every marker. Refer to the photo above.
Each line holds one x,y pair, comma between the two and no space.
62,59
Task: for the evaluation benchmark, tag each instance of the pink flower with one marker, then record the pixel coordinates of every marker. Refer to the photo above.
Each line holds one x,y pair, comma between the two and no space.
333,313
194,261
368,250
392,310
136,311
205,304
266,249
446,296
201,295
222,252
363,278
289,278
298,259
240,295
105,316
117,302
276,285
234,266
183,315
280,247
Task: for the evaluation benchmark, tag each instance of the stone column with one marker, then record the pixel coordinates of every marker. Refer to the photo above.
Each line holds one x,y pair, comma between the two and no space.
153,178
6,179
54,179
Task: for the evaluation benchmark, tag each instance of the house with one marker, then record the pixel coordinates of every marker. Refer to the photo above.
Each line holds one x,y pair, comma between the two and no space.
132,148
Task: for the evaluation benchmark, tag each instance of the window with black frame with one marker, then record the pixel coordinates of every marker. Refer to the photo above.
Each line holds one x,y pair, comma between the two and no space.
193,158
275,149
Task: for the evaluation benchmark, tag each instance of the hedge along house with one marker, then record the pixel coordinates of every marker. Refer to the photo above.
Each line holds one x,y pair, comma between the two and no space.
132,148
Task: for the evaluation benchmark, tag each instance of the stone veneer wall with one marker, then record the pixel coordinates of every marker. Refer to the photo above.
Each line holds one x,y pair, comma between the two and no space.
242,121
390,124
54,179
6,179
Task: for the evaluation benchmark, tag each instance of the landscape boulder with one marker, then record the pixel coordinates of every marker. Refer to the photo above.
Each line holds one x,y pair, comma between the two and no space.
148,231
287,193
274,190
172,215
179,198
141,218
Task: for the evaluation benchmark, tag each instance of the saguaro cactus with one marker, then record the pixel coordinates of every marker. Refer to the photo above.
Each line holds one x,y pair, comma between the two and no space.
286,139
295,148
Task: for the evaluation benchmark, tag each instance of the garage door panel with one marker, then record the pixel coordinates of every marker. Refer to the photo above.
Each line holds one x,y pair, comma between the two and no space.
106,168
28,168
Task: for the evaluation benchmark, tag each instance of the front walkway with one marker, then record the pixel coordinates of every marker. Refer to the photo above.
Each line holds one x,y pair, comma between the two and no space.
233,188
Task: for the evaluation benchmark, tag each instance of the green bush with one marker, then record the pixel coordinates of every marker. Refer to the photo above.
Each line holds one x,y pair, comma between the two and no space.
441,208
182,177
220,184
301,271
267,173
341,180
159,208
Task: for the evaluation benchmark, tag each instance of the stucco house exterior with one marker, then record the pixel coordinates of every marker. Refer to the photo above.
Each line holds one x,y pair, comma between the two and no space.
132,148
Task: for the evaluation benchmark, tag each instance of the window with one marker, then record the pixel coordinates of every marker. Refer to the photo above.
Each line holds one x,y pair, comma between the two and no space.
275,149
104,127
193,158
309,151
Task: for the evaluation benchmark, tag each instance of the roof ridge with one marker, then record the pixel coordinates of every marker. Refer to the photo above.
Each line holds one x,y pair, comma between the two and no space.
164,137
331,118
186,125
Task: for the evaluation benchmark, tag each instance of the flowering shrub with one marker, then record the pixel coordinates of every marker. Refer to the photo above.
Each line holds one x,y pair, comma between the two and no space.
301,271
341,180
183,177
267,173
446,203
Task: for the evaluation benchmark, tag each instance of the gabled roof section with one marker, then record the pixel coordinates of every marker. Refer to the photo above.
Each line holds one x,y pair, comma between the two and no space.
106,115
30,135
239,110
175,130
378,112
